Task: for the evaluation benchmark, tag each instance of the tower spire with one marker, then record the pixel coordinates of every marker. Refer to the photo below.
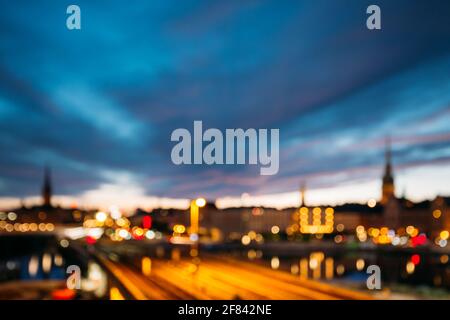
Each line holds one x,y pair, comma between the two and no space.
387,190
47,188
302,194
388,156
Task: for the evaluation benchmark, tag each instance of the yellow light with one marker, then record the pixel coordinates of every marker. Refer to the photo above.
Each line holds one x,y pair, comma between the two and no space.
359,229
146,266
340,227
329,211
304,268
437,214
114,294
375,232
245,240
410,267
275,263
200,202
409,230
329,268
317,211
340,269
313,263
372,203
444,235
275,229
100,216
179,228
251,254
139,232
193,252
303,210
49,227
444,259
121,222
360,264
252,235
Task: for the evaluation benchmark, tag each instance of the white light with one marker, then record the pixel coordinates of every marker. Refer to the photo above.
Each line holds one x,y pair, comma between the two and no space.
200,202
275,263
100,216
33,266
275,229
115,212
64,243
46,262
396,241
150,234
12,216
75,233
95,233
123,233
193,237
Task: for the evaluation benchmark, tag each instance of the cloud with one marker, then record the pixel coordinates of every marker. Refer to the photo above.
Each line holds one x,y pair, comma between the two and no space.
105,99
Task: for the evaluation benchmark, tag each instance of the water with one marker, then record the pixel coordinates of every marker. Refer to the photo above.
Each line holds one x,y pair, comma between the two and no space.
411,273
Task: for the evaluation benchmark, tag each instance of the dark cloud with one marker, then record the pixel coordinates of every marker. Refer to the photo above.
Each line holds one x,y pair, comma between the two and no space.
99,104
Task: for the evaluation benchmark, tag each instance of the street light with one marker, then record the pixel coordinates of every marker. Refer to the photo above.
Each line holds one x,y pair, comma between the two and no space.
195,205
200,202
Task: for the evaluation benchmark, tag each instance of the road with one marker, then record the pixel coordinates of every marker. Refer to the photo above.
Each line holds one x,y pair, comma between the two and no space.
220,278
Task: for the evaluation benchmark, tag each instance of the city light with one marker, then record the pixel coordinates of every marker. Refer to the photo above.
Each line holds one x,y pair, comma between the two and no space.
200,202
100,216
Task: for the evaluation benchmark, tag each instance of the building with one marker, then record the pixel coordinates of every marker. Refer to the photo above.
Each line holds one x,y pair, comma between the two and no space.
47,213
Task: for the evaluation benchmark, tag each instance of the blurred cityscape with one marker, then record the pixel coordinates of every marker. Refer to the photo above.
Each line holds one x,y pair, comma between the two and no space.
235,253
94,207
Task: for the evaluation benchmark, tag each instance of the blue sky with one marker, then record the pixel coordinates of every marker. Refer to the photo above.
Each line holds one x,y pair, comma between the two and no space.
98,104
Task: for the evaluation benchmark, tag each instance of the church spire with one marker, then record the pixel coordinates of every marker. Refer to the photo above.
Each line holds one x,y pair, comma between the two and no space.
387,190
47,188
388,157
302,194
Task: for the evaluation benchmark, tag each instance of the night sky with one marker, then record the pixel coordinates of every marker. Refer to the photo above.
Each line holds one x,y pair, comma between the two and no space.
98,104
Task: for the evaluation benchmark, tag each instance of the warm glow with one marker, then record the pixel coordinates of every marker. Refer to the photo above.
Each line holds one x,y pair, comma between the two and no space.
179,228
100,216
437,214
275,263
360,264
372,203
275,229
114,294
146,266
200,202
410,267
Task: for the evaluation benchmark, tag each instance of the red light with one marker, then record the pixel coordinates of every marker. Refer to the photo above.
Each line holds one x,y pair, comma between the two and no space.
419,240
90,240
415,259
147,222
63,294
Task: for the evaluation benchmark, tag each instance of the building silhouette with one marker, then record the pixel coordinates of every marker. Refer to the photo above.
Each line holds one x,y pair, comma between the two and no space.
388,186
47,189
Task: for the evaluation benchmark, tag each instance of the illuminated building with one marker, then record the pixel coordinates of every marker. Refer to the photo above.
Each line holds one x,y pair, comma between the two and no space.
47,214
